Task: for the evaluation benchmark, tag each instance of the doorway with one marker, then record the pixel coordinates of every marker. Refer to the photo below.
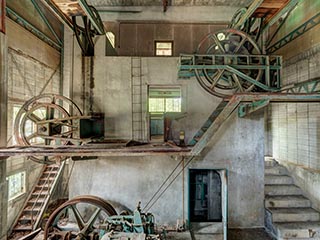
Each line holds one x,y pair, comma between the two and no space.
205,196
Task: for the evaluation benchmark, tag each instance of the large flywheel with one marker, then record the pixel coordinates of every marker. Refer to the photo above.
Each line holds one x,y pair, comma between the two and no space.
46,120
225,45
78,218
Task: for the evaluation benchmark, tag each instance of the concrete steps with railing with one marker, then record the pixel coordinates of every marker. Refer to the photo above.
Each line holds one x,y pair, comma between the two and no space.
289,214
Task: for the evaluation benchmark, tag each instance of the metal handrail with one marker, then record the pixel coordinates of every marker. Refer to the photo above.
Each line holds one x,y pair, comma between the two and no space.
52,174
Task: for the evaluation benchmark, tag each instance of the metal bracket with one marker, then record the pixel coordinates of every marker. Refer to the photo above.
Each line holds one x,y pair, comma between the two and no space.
247,108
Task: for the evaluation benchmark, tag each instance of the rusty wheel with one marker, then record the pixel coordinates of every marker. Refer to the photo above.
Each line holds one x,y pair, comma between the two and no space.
78,218
46,120
221,82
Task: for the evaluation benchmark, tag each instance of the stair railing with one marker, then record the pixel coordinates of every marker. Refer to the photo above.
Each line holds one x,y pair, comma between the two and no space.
50,185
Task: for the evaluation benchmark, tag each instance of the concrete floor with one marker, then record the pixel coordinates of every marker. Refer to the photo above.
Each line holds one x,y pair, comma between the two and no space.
233,234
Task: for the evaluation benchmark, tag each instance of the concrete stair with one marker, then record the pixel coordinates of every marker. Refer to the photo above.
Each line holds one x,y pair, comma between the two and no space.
289,214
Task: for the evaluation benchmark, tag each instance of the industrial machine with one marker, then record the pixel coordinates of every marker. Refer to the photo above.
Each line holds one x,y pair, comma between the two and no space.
55,120
234,60
90,217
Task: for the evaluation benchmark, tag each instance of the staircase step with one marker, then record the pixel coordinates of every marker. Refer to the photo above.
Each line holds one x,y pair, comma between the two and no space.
276,170
23,227
270,162
294,215
271,179
287,201
298,230
283,189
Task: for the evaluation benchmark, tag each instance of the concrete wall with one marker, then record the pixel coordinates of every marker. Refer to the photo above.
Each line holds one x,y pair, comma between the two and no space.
138,38
33,68
293,128
238,148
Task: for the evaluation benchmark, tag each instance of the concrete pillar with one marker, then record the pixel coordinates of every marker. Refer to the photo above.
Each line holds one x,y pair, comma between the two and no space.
3,135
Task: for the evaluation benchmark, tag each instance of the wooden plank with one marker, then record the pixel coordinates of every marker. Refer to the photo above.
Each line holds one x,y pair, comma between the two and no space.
69,7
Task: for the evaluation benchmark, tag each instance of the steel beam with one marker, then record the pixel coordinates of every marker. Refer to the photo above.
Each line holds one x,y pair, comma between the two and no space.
290,5
28,26
217,123
309,24
247,108
310,86
57,12
93,17
93,150
252,8
35,4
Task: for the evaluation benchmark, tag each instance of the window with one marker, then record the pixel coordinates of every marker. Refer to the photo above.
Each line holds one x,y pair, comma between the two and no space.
164,48
16,184
164,100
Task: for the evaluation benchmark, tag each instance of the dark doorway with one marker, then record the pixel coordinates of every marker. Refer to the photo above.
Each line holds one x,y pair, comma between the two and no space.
205,196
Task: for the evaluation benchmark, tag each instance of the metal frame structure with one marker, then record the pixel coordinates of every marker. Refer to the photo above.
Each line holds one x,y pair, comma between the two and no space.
309,24
28,26
37,7
234,64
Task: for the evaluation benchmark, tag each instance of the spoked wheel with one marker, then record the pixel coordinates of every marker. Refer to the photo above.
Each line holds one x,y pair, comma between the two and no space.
78,219
221,82
46,120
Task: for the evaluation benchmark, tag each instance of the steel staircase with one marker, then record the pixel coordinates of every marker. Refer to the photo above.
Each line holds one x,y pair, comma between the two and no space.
208,123
37,202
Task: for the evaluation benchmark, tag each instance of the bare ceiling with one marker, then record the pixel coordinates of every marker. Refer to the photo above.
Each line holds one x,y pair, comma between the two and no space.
115,3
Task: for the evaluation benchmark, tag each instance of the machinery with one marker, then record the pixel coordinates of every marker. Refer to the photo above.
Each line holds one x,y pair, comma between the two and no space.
90,217
54,120
232,61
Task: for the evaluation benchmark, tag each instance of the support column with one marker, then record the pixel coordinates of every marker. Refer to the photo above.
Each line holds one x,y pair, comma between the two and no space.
3,135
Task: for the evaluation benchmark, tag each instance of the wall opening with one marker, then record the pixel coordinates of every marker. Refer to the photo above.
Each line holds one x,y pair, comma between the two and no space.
163,103
205,196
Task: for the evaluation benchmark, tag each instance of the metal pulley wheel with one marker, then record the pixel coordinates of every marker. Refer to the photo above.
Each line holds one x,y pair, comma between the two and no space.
78,218
46,120
229,42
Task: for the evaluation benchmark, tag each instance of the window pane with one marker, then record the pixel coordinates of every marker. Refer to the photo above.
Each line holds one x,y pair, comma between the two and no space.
173,104
16,184
156,104
163,48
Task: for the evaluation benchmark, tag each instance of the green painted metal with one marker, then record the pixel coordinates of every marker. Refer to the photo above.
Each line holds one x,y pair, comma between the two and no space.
310,86
287,9
28,26
233,103
93,16
57,12
247,108
207,123
233,64
309,24
44,18
252,8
